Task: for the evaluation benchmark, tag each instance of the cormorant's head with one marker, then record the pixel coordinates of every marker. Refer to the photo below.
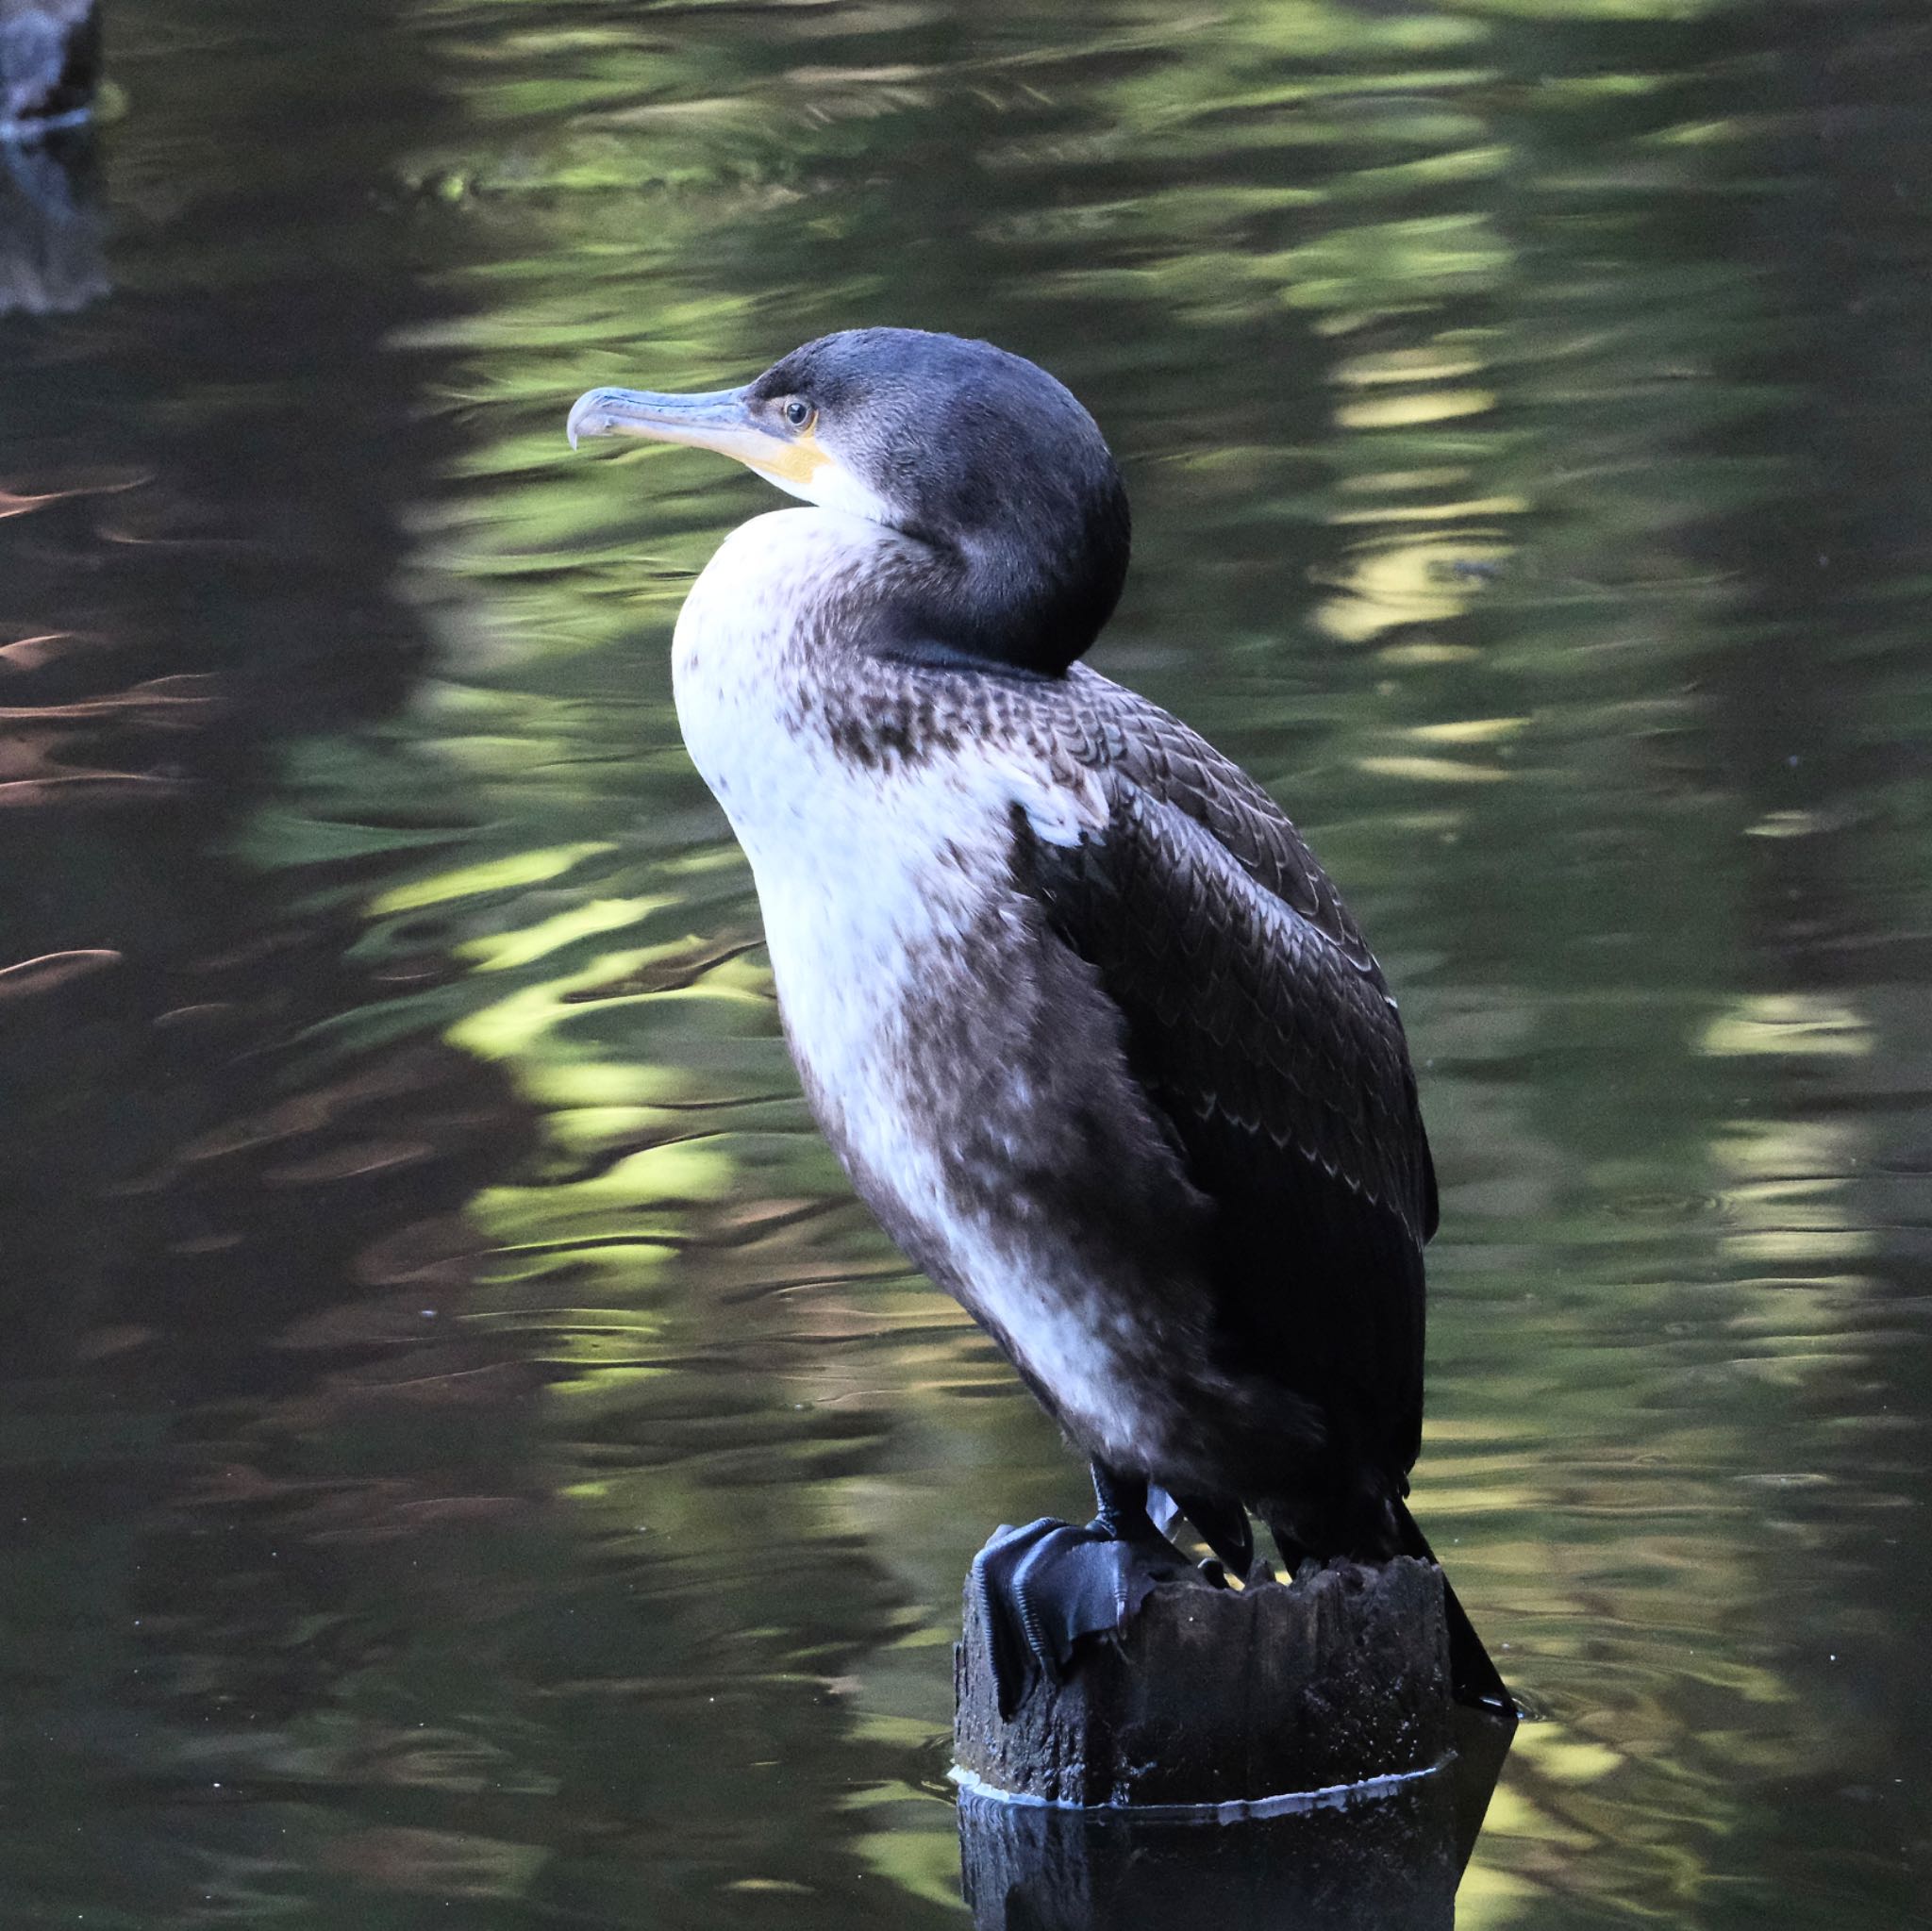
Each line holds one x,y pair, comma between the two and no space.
979,456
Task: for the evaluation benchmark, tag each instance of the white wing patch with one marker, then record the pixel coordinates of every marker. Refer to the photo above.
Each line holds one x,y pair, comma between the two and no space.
1059,813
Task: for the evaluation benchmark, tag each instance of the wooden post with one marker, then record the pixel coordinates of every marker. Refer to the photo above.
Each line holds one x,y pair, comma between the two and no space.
1241,1759
1214,1696
50,62
52,235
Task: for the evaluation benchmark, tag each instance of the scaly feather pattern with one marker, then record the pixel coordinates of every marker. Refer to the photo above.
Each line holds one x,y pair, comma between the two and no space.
1262,1026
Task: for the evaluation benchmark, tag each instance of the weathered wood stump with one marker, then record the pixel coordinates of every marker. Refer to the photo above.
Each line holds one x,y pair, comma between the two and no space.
1229,1697
51,258
50,62
1241,1759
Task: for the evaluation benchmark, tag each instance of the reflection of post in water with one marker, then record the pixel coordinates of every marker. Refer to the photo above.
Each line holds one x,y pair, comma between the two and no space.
50,258
1380,1862
1386,1861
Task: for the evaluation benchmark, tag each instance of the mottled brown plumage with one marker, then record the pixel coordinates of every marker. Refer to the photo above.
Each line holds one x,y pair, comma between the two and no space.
1261,1024
1265,1053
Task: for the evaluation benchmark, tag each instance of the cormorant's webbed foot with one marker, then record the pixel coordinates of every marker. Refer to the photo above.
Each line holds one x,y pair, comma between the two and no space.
1042,1588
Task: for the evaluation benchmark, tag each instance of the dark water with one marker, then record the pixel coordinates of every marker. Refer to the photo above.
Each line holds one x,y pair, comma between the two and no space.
464,1460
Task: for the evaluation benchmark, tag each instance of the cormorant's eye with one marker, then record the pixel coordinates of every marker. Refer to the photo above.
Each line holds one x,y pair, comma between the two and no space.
798,412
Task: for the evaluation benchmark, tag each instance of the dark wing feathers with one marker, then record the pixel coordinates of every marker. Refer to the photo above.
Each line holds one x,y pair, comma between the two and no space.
1260,1021
1164,757
1295,968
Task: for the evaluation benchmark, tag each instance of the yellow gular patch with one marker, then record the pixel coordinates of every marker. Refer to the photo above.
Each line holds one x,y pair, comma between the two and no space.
796,462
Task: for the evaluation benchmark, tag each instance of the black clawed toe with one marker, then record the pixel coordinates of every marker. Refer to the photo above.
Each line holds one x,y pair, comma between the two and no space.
1224,1528
1042,1588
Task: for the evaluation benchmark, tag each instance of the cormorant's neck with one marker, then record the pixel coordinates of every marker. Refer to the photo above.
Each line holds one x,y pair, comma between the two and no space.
1002,597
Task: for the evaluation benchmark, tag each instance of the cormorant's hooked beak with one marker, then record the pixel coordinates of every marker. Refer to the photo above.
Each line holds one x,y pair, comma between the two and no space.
722,420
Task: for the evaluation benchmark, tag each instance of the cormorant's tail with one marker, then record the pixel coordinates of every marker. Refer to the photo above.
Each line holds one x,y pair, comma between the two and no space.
1472,1678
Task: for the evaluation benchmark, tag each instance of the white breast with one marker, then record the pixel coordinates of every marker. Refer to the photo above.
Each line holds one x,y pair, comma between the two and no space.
876,880
860,869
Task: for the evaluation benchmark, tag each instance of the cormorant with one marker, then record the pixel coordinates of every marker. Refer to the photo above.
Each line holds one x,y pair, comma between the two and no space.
1089,1027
